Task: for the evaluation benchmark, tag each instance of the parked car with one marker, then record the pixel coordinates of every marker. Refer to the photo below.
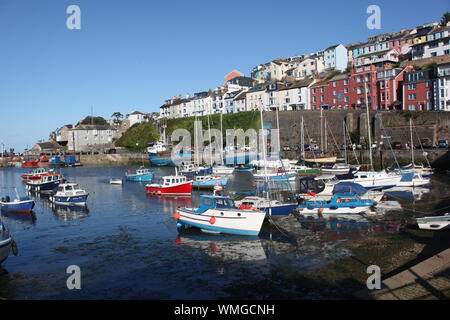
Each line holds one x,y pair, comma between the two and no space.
286,148
397,145
442,144
111,151
426,143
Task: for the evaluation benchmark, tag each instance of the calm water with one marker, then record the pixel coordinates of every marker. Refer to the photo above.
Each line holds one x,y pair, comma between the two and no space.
128,247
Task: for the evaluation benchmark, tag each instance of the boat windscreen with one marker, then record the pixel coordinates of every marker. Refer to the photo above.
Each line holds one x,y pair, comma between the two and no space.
349,187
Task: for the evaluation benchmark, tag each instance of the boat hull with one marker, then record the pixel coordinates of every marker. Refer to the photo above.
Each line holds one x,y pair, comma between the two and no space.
210,183
17,207
223,221
70,200
331,210
181,189
281,210
5,249
142,177
48,186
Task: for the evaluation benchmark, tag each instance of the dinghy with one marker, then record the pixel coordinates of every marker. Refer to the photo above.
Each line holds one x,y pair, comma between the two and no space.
434,223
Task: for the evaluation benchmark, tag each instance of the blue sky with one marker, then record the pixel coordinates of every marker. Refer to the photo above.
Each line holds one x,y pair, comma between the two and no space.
134,54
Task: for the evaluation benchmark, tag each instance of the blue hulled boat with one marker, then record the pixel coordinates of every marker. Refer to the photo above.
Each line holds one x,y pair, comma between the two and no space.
69,194
339,203
271,207
47,183
141,174
208,181
18,205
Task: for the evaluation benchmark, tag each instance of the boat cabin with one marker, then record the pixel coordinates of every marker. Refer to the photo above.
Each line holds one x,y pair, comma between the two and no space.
168,180
214,202
50,178
69,188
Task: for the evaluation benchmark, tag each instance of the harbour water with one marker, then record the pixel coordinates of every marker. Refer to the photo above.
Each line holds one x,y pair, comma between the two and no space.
127,245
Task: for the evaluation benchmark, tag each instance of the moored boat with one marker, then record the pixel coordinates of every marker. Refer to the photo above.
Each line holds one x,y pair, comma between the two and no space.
35,174
271,207
220,215
434,223
69,194
372,180
7,243
140,174
339,168
46,183
209,181
115,181
170,185
339,203
18,205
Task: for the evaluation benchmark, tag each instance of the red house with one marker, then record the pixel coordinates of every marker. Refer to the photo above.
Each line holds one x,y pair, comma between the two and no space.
418,90
390,87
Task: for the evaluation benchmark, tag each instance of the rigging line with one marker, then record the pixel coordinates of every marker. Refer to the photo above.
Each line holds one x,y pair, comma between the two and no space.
421,147
334,140
389,141
350,139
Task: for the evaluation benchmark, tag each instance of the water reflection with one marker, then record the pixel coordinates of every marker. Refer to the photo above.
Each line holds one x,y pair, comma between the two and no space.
68,214
227,248
27,218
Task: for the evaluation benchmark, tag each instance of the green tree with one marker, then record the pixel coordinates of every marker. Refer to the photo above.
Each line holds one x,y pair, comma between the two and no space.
118,117
445,18
94,120
138,136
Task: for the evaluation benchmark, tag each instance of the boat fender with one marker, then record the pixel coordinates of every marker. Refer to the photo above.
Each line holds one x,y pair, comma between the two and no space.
212,220
178,240
176,215
14,248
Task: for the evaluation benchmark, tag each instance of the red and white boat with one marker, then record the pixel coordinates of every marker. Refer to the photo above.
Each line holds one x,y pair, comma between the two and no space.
36,174
171,185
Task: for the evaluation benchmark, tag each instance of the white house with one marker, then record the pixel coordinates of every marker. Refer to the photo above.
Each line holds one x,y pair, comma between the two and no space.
336,58
295,96
136,117
89,137
442,87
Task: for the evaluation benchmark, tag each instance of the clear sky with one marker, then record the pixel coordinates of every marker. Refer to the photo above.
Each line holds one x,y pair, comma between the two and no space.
132,55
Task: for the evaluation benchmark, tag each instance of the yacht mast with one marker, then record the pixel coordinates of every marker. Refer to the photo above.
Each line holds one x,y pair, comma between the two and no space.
345,141
302,139
210,147
368,128
221,140
412,143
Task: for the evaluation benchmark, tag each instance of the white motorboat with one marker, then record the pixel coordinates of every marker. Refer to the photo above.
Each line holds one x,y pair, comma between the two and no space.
434,223
412,179
339,168
372,180
116,181
69,194
220,215
222,170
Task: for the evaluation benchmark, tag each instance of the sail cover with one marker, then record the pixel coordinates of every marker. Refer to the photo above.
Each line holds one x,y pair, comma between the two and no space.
349,187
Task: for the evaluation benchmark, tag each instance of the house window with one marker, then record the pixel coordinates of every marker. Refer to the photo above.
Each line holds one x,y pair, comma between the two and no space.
412,96
345,82
334,84
334,92
412,86
287,100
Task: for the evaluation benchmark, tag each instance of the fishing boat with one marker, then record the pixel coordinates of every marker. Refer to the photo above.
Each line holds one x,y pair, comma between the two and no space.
271,207
191,169
141,174
434,223
69,194
18,205
220,215
116,181
339,203
30,164
7,243
372,180
209,181
171,185
46,183
36,174
339,168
